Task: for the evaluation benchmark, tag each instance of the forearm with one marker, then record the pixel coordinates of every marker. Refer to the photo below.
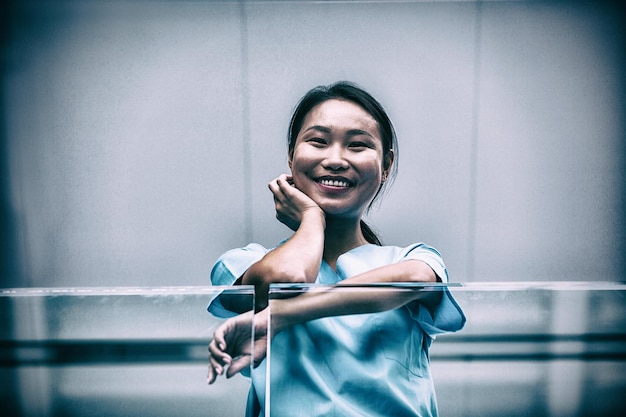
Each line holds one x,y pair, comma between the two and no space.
297,260
343,300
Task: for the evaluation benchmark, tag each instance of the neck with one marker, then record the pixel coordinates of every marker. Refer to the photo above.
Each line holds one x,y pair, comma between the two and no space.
341,236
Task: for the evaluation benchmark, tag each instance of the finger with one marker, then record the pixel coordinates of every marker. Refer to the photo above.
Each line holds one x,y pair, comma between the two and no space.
273,185
276,190
219,356
281,178
214,370
238,365
285,182
211,375
216,360
215,367
219,339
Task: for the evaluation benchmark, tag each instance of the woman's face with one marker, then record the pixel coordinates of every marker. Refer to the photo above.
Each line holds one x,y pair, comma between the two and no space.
337,158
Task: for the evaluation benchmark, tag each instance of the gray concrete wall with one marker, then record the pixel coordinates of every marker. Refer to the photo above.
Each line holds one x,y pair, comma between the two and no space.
139,136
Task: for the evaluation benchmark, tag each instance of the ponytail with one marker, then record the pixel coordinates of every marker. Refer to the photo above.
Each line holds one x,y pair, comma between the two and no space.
369,234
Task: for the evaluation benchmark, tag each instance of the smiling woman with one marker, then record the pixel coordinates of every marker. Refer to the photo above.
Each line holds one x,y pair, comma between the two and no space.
342,152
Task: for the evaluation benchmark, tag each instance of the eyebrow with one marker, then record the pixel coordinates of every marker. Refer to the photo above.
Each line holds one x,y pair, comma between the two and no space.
351,132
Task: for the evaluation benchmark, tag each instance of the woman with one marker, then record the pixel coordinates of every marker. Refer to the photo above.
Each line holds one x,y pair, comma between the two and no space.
339,352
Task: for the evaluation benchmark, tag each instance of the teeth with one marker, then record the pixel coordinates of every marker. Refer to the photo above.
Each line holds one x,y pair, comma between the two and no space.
335,183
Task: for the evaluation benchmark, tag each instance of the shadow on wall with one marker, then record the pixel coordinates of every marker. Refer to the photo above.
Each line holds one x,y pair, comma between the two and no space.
8,242
622,175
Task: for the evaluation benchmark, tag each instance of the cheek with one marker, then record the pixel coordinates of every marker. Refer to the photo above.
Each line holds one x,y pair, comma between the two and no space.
372,170
298,169
300,163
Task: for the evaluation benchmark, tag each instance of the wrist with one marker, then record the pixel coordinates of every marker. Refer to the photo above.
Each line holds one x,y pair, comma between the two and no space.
314,214
276,316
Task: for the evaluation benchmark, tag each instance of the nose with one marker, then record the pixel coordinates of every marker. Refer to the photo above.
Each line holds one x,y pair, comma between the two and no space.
335,158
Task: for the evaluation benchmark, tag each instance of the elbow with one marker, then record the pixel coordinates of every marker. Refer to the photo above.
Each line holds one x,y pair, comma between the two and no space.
291,275
419,272
271,274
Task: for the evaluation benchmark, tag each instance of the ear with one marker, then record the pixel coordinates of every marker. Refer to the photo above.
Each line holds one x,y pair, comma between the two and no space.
387,164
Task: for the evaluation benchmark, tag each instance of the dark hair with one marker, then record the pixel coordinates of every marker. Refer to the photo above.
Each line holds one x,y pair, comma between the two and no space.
344,90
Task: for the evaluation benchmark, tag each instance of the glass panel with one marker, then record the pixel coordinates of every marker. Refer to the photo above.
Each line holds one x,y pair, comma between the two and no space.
526,349
114,352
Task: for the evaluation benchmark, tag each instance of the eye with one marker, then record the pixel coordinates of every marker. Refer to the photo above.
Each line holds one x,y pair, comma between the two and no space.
356,145
317,142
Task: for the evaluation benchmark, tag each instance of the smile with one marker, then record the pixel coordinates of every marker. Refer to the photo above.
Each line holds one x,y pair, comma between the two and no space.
339,183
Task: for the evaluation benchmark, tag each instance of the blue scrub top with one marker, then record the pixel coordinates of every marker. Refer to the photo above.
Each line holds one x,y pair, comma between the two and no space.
359,365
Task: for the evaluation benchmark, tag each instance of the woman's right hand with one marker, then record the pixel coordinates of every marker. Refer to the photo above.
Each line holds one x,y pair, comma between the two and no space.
298,259
291,203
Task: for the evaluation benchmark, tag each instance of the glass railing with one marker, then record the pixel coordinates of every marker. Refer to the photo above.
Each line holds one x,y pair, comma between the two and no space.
113,352
526,349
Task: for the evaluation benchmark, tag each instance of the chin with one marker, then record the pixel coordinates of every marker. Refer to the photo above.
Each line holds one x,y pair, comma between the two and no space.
340,213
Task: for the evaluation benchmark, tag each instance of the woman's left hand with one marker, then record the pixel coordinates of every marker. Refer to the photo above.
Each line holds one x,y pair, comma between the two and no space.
232,349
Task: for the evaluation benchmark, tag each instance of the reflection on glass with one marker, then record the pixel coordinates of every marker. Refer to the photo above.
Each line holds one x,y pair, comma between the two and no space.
540,349
535,349
113,352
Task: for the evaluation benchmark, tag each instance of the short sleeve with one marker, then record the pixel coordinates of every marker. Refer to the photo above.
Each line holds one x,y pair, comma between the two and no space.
228,268
430,256
448,316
